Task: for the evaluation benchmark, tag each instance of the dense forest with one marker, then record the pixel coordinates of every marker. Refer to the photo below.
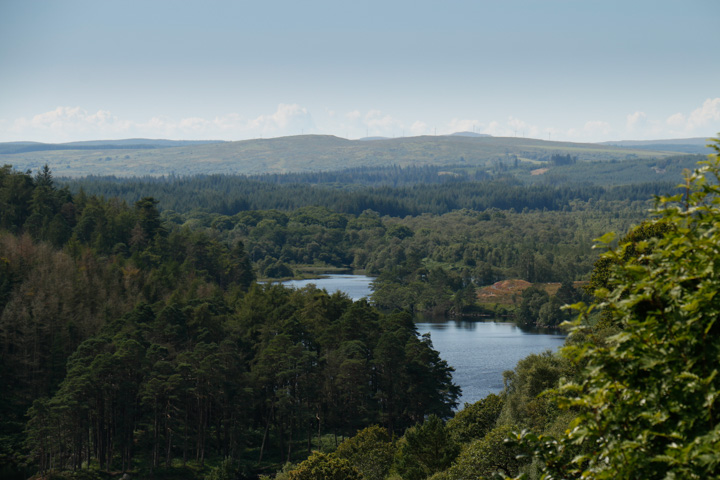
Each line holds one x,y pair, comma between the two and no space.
429,239
400,191
135,340
127,339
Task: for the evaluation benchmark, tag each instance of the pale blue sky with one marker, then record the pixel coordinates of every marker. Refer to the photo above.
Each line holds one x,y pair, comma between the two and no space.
578,70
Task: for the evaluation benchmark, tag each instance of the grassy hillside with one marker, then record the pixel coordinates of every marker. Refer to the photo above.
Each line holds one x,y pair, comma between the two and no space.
697,145
308,153
666,169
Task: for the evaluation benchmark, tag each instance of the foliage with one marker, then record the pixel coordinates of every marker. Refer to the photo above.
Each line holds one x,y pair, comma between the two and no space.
133,335
483,458
226,470
425,449
648,398
475,420
324,467
138,341
528,403
430,246
370,451
533,300
393,191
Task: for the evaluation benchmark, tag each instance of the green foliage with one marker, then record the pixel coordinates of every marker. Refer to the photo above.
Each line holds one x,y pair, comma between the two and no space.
475,420
425,449
226,470
533,300
527,404
648,397
324,467
131,341
195,378
370,451
484,458
392,191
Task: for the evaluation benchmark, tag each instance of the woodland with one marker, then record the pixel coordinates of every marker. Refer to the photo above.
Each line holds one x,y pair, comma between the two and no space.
135,339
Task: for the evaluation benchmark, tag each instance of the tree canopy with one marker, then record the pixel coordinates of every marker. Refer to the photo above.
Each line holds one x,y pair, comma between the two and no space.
648,397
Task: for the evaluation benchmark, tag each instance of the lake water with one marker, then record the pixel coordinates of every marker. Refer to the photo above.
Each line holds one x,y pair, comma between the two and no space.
480,351
355,286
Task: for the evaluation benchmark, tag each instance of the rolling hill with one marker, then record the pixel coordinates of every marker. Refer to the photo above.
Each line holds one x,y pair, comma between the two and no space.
680,145
305,153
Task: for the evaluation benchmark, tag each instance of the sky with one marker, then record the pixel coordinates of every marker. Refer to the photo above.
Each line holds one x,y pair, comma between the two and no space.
570,70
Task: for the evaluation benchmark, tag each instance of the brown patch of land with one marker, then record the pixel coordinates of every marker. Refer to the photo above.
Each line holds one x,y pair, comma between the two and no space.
508,292
538,171
504,292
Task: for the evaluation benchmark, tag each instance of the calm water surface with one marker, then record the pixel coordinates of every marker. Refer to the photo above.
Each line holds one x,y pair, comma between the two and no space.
355,286
479,351
482,351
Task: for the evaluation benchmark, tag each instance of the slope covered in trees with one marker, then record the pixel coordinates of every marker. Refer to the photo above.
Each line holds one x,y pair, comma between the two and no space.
129,343
135,340
646,398
634,393
431,238
395,193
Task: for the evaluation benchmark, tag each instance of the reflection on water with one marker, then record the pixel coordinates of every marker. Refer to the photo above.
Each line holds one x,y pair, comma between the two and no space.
480,351
355,286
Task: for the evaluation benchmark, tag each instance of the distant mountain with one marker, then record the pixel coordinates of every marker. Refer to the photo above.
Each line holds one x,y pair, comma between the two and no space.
156,143
132,143
365,139
682,145
469,134
302,153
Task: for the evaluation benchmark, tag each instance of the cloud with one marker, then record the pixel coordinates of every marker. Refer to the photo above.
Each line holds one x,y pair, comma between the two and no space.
708,112
381,123
492,128
594,127
354,115
370,123
635,120
463,125
702,118
513,127
677,120
419,128
194,124
65,124
287,120
68,123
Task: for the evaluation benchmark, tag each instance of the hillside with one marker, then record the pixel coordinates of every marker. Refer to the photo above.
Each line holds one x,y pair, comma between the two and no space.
304,153
128,144
680,145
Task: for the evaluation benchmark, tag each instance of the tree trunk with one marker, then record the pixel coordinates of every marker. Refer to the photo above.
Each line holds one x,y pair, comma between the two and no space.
265,435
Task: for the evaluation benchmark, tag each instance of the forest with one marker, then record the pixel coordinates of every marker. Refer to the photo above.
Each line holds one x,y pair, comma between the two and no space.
118,330
134,338
429,240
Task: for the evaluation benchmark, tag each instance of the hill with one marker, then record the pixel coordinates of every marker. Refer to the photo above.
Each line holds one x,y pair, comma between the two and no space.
469,134
681,145
305,153
130,143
